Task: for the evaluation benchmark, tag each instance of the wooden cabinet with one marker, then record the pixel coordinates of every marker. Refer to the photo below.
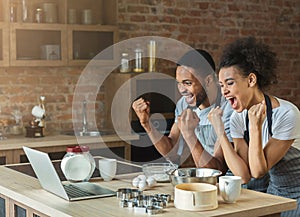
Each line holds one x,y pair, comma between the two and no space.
160,89
56,32
11,208
85,42
28,40
4,45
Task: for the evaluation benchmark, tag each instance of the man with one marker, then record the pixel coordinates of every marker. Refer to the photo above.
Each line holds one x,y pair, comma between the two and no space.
192,136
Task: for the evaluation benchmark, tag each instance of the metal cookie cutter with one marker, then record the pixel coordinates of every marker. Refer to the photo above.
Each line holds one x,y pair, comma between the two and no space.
142,204
132,203
152,210
166,197
123,203
127,193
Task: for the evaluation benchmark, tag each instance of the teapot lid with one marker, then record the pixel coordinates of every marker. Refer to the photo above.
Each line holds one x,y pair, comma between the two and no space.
78,148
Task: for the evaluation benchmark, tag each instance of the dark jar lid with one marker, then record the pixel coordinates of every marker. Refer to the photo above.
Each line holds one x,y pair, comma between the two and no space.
78,148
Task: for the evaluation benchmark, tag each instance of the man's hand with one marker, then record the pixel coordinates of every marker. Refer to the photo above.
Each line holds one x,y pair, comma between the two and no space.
142,110
188,121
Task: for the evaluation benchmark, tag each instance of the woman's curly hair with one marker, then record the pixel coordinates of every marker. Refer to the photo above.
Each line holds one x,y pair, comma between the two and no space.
251,56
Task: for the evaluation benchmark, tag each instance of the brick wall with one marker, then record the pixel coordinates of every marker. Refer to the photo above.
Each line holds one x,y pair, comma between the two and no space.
212,24
21,88
202,24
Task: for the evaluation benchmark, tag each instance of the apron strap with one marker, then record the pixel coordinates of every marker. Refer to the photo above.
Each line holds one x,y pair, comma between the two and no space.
219,96
269,118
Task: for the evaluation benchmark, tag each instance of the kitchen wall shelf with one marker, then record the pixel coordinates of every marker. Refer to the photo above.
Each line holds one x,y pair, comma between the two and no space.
85,42
28,40
56,32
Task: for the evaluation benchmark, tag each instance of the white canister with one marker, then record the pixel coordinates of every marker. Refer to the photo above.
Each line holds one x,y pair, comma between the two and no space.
86,17
78,164
50,12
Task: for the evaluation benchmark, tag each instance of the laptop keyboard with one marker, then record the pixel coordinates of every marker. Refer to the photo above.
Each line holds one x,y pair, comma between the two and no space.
74,191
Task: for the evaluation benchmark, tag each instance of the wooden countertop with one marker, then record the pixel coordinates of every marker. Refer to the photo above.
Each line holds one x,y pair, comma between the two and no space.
27,191
11,148
60,140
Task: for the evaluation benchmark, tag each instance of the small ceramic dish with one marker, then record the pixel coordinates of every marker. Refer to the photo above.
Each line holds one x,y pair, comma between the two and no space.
196,196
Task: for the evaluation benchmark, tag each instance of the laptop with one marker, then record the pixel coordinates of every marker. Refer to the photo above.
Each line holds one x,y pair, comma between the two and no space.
50,181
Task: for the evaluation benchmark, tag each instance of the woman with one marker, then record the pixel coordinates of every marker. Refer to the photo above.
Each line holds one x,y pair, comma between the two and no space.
265,129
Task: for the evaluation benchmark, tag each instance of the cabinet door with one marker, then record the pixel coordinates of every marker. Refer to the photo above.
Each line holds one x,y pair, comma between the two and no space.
86,42
4,44
17,209
36,45
112,84
2,206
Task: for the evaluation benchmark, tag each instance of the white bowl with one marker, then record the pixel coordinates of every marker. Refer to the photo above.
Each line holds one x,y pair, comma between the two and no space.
159,171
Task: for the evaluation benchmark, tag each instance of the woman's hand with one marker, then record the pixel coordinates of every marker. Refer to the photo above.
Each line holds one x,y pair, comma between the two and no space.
215,118
257,115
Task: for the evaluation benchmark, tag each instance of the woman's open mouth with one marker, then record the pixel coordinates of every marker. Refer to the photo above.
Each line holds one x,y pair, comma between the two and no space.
233,102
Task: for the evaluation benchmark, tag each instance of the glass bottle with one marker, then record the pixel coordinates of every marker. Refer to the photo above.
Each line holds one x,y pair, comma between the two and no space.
138,60
13,12
25,15
152,56
78,164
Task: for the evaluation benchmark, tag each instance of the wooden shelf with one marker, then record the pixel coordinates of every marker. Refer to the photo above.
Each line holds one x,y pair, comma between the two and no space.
85,42
27,41
22,38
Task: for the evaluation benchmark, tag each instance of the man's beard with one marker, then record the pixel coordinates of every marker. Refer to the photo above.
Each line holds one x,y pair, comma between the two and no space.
200,98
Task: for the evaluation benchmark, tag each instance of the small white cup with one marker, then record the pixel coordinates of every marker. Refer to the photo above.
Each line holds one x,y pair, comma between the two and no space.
37,111
230,188
107,168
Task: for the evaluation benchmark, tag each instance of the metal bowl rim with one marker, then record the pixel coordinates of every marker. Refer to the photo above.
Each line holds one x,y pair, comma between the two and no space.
216,172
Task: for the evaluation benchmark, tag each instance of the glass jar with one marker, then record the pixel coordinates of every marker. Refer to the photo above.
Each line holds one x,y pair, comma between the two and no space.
124,67
152,55
78,164
39,15
138,60
13,12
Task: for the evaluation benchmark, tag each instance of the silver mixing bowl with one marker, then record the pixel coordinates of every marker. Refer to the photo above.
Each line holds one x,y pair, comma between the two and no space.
192,175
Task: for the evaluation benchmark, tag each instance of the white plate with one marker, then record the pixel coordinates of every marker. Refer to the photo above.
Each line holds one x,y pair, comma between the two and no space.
76,168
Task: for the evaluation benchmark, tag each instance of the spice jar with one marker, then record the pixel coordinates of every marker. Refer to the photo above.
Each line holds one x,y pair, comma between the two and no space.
39,15
138,60
124,67
78,164
13,12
